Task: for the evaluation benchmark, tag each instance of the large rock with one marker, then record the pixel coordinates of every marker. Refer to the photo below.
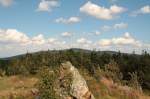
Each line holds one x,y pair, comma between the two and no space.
78,88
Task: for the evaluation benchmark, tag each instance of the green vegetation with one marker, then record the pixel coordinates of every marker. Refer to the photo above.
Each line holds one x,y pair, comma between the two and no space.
125,69
47,84
52,82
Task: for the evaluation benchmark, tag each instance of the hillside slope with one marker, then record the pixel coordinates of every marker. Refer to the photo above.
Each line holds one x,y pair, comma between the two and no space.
123,69
83,86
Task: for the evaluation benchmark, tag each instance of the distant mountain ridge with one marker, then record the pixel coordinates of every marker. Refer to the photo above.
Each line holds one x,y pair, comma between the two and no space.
63,50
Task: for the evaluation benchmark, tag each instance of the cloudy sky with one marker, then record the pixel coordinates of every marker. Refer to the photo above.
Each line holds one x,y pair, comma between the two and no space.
34,25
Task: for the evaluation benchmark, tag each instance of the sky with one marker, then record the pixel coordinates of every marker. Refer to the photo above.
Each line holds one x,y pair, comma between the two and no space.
35,25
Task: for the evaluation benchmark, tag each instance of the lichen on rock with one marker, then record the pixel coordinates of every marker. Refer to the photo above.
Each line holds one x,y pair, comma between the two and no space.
77,87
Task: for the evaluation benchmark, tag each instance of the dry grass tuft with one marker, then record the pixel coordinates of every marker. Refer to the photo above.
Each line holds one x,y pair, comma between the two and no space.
17,87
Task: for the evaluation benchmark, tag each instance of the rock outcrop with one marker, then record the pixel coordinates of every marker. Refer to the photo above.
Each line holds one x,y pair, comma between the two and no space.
78,87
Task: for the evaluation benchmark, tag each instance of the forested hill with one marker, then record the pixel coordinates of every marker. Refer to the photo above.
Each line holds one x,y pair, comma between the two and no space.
127,64
65,50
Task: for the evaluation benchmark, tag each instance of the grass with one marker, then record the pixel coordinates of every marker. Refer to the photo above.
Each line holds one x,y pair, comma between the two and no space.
104,88
17,87
21,87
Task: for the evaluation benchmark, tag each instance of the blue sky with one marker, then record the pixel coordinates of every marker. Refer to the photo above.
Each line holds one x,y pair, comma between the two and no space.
35,25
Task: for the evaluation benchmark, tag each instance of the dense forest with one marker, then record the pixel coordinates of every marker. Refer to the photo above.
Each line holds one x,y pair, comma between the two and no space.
128,64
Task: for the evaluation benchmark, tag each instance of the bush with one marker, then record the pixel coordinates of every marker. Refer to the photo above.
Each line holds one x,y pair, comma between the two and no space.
134,81
47,84
112,71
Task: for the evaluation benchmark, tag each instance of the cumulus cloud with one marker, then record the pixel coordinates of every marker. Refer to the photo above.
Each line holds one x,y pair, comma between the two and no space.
47,5
66,34
142,10
13,36
70,20
39,39
52,40
127,39
105,42
14,42
101,12
83,41
6,3
145,9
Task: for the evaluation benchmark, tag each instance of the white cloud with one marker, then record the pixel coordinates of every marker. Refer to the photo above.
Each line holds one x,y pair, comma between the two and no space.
39,39
105,42
101,12
13,36
127,39
70,20
145,9
13,42
47,5
52,40
66,34
6,3
124,40
97,33
83,41
142,10
106,28
121,25
114,9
